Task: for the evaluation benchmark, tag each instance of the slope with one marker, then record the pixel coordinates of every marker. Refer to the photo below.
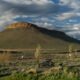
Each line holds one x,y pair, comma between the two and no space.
23,35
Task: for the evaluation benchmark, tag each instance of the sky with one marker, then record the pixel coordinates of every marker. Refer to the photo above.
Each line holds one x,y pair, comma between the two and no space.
63,15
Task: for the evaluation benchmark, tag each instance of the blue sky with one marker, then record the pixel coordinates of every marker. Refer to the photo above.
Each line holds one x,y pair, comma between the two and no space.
63,15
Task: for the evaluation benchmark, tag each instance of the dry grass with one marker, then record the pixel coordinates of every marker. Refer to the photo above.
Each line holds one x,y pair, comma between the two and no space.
5,57
37,55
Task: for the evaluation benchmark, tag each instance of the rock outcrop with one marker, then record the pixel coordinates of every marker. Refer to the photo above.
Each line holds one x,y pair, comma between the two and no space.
19,25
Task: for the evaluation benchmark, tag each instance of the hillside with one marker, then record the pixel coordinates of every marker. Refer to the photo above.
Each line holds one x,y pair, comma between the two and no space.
23,35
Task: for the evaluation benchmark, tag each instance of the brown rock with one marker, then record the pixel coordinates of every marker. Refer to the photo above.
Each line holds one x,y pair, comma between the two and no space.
19,25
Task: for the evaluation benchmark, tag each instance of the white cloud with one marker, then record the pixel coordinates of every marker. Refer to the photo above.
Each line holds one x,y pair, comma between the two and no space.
74,34
72,30
72,20
67,15
29,2
65,2
72,3
64,16
7,18
71,27
75,4
44,19
78,13
11,9
44,24
77,26
47,24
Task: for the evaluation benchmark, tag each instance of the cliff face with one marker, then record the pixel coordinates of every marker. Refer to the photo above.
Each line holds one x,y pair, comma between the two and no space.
19,25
